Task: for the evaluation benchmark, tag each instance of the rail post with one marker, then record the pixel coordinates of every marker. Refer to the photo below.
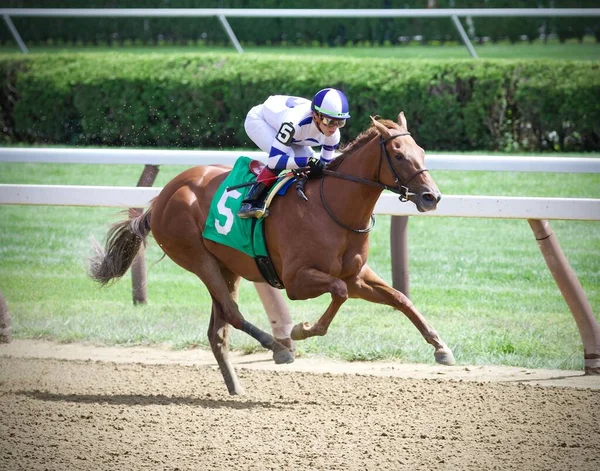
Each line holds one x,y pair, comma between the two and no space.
571,289
5,322
399,254
138,267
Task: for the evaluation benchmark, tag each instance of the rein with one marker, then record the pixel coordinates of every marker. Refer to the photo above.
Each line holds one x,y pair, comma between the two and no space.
366,230
401,189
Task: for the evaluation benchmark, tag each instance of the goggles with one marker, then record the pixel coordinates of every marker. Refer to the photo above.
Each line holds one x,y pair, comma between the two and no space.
327,121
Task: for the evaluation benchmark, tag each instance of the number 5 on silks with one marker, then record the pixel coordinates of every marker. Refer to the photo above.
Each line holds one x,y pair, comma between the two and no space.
286,133
223,210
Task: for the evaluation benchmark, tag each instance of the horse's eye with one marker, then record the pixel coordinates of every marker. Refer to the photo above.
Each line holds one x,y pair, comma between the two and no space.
398,156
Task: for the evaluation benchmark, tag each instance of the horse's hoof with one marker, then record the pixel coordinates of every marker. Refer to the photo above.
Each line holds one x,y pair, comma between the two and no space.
444,357
592,364
288,343
591,370
300,331
282,357
284,352
234,388
239,391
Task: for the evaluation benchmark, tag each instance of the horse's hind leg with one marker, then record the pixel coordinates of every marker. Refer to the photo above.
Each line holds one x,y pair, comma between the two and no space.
370,287
230,313
194,257
218,337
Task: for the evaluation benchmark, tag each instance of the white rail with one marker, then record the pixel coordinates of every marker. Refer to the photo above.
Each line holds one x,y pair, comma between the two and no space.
223,13
207,157
461,206
301,13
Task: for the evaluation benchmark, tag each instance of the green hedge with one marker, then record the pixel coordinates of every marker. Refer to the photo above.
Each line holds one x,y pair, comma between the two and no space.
200,100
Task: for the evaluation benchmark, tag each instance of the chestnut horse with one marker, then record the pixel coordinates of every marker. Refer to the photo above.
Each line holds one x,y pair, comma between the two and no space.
317,246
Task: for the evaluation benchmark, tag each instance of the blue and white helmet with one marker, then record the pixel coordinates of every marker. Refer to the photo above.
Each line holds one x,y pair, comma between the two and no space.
332,103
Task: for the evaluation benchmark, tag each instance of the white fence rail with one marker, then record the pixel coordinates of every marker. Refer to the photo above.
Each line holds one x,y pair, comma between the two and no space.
223,13
301,12
499,207
207,157
451,205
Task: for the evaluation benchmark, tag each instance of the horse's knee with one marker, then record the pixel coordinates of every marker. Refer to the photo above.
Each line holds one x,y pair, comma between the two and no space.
339,289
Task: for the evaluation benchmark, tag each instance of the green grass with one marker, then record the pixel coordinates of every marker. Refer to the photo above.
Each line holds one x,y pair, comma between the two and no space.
588,50
482,283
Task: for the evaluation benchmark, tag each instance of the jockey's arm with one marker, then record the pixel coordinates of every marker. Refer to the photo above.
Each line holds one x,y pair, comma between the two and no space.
327,153
281,157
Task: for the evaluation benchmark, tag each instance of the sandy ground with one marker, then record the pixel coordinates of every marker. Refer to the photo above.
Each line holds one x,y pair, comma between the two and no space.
80,407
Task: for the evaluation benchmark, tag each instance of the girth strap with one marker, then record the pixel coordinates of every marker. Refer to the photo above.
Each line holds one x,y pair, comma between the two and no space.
264,264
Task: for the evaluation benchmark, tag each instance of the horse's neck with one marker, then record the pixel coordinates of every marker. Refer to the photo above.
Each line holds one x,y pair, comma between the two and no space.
363,164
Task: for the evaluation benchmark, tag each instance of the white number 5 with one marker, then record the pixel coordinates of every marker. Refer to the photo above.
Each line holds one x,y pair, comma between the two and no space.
286,133
223,210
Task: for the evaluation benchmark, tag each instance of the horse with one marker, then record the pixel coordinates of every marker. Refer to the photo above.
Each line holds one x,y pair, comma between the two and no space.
317,245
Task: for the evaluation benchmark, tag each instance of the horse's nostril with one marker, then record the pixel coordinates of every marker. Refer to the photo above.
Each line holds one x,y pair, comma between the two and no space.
429,198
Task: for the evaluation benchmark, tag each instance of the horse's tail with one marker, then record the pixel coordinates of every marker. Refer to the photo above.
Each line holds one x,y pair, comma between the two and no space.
123,242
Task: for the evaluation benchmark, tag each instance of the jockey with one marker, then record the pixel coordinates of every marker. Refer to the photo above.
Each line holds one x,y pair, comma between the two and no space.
286,127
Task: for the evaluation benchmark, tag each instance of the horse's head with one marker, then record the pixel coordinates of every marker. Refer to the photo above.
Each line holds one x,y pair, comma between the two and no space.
405,168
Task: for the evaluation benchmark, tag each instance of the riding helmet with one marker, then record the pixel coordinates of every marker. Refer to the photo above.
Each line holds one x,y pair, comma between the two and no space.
332,103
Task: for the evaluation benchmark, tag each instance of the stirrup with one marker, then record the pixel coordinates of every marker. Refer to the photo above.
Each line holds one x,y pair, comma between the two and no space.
249,211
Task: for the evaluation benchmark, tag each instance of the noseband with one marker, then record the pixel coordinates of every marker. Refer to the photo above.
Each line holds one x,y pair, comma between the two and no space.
401,189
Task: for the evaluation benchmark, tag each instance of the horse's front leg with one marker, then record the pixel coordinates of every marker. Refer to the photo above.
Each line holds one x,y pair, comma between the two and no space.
370,287
309,283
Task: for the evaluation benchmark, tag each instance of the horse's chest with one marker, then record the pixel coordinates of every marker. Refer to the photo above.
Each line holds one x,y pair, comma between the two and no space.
352,263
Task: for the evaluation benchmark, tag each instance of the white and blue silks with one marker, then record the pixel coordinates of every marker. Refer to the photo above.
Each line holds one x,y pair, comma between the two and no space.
283,127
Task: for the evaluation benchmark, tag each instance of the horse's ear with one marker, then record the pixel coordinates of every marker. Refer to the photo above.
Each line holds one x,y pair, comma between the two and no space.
402,121
384,131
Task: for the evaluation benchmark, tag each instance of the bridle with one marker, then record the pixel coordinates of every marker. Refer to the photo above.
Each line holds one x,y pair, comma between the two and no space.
402,190
401,187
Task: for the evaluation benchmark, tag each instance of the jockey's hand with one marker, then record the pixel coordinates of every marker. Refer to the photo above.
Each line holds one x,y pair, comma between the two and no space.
315,167
300,173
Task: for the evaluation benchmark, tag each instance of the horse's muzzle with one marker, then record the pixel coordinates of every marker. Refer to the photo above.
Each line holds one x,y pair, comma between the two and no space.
426,201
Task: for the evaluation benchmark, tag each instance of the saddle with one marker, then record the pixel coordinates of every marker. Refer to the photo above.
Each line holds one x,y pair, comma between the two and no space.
279,188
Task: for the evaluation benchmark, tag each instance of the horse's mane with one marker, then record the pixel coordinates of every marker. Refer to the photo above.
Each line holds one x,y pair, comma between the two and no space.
360,141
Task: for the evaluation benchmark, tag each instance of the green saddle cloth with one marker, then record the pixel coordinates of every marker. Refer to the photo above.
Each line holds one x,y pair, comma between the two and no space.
223,226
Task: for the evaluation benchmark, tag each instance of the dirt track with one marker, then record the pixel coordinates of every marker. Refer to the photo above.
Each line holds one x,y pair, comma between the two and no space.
84,408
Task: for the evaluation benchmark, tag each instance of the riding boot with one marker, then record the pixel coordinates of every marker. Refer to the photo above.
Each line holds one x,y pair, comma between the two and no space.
253,205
